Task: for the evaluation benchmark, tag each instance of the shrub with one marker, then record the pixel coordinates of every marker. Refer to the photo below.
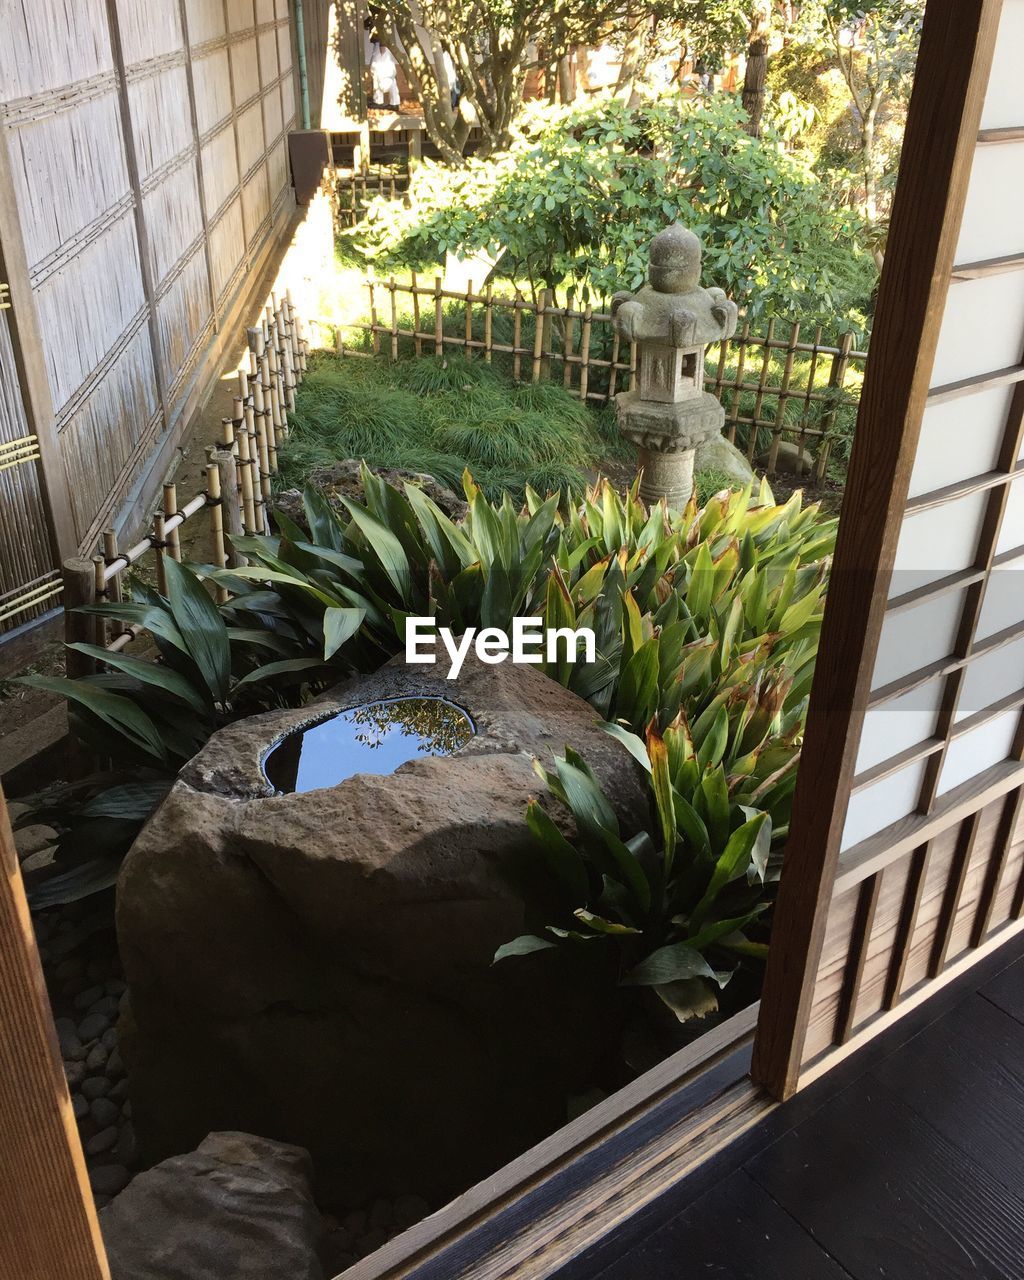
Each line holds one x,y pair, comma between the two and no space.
583,188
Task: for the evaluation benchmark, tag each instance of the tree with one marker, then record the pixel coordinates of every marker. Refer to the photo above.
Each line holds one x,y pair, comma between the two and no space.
489,45
875,49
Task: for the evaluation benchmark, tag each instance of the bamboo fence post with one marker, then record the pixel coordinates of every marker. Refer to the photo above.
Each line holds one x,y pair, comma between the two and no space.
392,290
469,319
415,150
613,371
216,509
836,381
585,353
569,338
809,391
100,589
780,411
244,465
488,323
231,514
111,556
79,579
517,339
734,409
171,509
417,341
256,469
762,382
723,356
539,311
159,545
438,320
374,332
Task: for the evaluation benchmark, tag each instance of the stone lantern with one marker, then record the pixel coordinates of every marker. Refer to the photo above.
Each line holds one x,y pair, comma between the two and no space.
672,320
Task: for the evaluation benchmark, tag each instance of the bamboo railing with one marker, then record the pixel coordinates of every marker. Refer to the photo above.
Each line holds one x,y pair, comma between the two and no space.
236,498
776,386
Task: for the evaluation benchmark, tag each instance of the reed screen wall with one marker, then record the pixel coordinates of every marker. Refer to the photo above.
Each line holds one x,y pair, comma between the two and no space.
145,146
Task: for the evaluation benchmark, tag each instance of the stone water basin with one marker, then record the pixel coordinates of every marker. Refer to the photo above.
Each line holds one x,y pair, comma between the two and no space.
375,738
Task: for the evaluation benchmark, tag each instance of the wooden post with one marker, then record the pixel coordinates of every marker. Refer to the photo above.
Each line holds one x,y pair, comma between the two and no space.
569,339
780,411
836,381
50,1228
374,330
417,341
215,508
488,322
517,340
438,320
231,515
99,573
585,353
539,309
159,545
762,382
79,589
469,319
415,150
171,509
244,465
613,371
110,554
392,286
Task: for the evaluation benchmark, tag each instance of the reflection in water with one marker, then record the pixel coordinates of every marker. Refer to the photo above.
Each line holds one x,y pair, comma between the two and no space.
375,738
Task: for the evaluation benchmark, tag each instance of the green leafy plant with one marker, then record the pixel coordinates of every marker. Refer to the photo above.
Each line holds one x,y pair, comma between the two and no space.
682,900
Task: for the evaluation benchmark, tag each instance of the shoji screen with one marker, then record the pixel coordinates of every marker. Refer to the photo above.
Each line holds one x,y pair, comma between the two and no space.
920,859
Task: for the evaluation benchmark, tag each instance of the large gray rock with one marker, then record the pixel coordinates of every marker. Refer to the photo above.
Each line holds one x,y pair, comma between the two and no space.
238,1206
718,454
317,967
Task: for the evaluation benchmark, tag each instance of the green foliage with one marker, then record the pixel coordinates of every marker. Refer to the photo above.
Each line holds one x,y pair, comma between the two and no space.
582,189
678,899
442,417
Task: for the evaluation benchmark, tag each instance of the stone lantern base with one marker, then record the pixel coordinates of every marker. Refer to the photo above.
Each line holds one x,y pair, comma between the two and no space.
666,437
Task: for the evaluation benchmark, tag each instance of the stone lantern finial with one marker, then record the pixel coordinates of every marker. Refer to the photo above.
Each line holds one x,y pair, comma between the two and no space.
671,319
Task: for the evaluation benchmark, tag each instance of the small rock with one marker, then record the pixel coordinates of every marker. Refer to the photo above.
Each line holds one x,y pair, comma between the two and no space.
87,997
108,1179
380,1214
120,1090
74,1073
16,809
97,970
97,1059
29,840
67,1036
409,1210
109,1038
115,1065
101,1201
93,1026
79,1106
105,1004
104,1112
115,987
35,862
370,1241
355,1222
102,1141
95,1087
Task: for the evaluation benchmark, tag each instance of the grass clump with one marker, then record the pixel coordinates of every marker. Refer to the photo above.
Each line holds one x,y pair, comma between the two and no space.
442,417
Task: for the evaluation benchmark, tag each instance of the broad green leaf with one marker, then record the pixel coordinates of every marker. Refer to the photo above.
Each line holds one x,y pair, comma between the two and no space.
150,673
340,625
733,862
120,713
522,946
677,961
202,627
564,858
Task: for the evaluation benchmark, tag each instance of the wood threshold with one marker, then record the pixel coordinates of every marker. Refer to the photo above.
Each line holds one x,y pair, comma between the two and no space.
548,1207
906,834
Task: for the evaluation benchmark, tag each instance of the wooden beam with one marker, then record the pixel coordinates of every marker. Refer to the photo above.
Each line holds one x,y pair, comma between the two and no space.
50,1230
30,362
957,44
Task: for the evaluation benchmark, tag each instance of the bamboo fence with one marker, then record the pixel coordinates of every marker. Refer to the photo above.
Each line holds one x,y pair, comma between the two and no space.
236,498
777,386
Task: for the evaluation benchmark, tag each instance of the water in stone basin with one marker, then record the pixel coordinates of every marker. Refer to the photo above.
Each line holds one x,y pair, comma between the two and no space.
375,738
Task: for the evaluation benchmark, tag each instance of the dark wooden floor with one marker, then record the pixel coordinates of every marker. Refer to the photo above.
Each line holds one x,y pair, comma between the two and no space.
907,1163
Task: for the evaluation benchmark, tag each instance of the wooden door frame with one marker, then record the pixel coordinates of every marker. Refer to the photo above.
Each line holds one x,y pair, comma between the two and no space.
957,46
50,1225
